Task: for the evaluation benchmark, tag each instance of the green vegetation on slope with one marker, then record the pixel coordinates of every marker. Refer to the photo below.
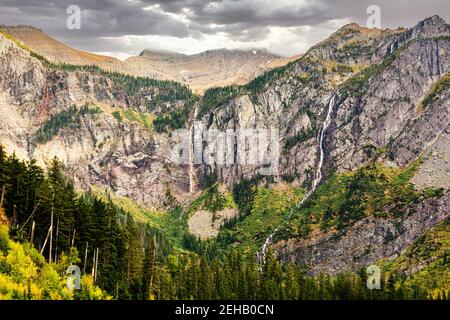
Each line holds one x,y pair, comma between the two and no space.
173,119
24,274
299,137
443,85
372,190
212,199
169,90
216,97
70,118
270,207
220,96
431,254
172,224
144,119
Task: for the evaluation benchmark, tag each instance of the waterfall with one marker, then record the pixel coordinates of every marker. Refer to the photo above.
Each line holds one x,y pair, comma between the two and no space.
326,124
261,254
191,153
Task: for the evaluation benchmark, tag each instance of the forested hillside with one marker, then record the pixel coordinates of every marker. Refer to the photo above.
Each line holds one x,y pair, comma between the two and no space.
133,260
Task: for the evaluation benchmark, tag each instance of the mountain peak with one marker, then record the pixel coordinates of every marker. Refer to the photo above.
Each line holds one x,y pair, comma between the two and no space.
159,53
260,51
433,26
436,19
47,46
165,54
351,26
19,27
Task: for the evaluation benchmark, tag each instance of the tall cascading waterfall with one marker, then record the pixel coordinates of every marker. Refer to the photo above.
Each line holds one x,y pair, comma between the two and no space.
191,152
261,254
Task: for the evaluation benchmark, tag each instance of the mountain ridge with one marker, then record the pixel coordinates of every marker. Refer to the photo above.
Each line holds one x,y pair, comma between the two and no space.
239,66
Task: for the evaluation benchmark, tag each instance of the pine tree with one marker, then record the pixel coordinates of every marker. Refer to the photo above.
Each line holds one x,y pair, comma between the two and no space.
206,280
149,270
291,287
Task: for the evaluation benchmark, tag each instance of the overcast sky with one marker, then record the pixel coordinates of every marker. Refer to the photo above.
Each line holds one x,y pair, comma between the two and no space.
284,27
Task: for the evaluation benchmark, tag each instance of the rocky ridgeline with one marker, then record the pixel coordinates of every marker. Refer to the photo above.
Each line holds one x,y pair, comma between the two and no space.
200,71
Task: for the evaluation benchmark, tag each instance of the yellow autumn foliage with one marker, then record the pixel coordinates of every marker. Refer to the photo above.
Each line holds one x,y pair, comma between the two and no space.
25,275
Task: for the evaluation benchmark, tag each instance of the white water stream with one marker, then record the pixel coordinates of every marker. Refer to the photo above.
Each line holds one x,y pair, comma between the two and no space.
191,153
261,254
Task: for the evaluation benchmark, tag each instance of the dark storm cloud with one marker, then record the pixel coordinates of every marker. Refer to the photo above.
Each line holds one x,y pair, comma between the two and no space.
235,12
240,15
241,20
176,6
98,18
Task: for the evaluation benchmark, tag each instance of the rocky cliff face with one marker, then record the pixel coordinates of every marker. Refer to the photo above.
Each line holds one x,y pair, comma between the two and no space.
380,106
104,148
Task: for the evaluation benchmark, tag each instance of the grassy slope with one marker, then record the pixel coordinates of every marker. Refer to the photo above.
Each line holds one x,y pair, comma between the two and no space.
172,223
372,190
271,207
